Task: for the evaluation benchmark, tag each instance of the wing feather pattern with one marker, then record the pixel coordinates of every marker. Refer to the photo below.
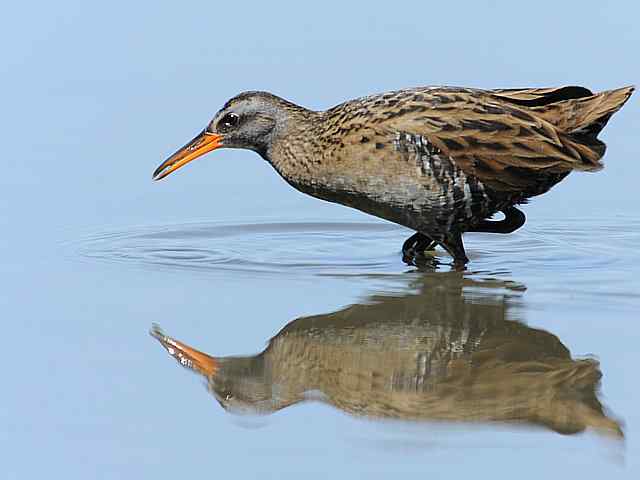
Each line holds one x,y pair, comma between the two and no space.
506,145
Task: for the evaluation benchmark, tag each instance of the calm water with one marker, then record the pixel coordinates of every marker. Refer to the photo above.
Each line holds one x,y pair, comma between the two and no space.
331,356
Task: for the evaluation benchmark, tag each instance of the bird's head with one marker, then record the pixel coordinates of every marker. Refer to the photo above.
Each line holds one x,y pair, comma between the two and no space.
249,120
240,384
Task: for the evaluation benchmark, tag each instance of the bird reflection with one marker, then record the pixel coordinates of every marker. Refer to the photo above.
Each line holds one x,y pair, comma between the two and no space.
445,352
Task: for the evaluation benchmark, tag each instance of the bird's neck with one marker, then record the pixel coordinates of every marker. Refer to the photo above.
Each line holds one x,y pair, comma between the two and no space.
294,150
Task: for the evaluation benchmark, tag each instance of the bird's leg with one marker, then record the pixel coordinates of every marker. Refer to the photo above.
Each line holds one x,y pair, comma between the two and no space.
415,245
513,220
452,243
418,242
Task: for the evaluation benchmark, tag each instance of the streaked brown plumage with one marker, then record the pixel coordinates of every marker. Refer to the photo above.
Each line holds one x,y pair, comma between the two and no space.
435,355
438,160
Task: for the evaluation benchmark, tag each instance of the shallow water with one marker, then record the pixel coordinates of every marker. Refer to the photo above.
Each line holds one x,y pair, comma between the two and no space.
459,312
493,372
374,366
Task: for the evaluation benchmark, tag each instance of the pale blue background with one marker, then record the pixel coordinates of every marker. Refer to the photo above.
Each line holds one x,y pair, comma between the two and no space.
96,94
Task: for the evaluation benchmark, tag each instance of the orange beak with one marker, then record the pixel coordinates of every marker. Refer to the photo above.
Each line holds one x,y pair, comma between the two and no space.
203,143
187,356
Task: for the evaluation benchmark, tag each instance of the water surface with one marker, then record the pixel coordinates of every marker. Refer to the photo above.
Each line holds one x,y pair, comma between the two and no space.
527,342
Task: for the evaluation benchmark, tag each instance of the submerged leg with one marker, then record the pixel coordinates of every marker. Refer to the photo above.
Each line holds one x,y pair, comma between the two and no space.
513,220
415,245
452,243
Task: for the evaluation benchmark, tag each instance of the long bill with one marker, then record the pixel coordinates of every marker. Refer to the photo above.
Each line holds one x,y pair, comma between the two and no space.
203,143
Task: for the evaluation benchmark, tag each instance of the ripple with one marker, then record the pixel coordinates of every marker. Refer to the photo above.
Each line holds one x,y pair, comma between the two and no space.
316,248
559,250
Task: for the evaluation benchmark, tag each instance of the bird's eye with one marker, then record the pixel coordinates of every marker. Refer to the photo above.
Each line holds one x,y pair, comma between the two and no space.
229,121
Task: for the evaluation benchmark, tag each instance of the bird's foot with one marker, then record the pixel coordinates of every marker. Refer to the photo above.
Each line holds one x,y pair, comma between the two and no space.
423,262
460,265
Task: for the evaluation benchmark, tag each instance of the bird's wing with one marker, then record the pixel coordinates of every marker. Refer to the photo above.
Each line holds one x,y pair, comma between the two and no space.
505,145
537,97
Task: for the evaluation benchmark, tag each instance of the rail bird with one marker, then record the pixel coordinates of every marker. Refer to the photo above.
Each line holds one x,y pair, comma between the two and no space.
438,160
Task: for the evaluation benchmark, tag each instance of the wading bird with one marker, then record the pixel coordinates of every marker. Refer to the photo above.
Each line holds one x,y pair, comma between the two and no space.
438,160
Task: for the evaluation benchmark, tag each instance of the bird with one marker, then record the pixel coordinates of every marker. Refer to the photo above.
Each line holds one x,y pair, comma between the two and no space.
439,160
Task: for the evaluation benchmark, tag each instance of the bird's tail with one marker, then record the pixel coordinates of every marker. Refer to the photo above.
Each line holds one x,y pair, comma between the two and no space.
578,114
588,115
582,119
